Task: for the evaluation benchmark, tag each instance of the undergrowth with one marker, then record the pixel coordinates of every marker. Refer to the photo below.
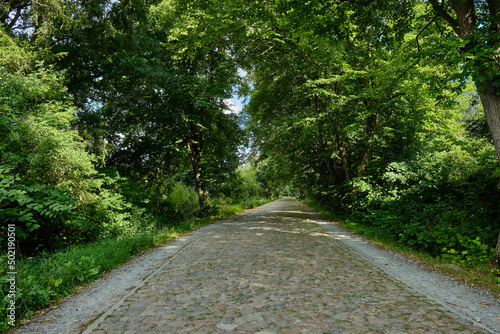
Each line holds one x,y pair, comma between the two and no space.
227,209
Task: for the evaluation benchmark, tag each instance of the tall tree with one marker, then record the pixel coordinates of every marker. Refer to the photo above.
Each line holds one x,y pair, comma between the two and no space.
337,89
201,38
477,26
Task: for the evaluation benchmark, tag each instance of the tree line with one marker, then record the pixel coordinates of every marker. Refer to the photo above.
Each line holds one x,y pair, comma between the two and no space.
386,111
114,119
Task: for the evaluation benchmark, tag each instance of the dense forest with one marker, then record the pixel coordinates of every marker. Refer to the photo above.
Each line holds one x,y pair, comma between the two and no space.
115,124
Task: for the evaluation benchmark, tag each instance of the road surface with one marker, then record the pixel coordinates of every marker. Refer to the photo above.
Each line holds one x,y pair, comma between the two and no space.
273,270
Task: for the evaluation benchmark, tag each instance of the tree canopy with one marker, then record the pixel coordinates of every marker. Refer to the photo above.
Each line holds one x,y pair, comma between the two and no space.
114,115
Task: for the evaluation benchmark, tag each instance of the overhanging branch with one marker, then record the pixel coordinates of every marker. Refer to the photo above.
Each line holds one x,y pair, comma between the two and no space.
447,17
418,46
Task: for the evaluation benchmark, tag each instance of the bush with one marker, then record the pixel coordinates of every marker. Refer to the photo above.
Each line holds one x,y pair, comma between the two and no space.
38,140
245,185
44,216
184,200
114,210
445,204
44,168
49,218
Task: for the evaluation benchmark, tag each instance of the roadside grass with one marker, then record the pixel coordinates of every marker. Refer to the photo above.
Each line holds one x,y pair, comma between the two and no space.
45,279
232,209
484,277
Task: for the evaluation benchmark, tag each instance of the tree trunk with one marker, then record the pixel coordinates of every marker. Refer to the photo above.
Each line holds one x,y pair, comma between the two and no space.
195,156
491,106
495,259
371,125
335,172
195,146
343,155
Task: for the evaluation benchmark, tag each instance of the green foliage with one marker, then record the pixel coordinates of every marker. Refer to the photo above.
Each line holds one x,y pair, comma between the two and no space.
13,57
44,217
184,200
474,254
38,141
117,206
244,185
45,169
444,204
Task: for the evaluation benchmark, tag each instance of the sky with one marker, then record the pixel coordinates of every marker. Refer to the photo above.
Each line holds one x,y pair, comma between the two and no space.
234,105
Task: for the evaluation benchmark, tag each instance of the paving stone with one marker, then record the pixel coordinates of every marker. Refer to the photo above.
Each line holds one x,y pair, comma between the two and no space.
276,271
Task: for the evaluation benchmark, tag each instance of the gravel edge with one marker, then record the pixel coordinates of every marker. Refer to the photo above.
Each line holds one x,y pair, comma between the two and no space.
77,312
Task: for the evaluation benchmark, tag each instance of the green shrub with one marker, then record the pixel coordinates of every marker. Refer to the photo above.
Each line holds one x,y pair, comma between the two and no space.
45,217
245,185
445,204
471,253
44,167
38,139
184,200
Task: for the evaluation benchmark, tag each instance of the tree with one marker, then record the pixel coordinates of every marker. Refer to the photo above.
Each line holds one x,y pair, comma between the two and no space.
477,26
43,163
152,97
199,41
330,93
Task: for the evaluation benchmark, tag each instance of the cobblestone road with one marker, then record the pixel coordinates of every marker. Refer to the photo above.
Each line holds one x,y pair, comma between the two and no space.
274,271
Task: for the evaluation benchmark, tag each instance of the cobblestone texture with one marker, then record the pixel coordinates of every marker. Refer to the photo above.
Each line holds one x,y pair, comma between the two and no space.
275,271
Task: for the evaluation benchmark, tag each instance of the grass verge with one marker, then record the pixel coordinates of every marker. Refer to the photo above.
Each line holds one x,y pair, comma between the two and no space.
232,209
483,277
44,280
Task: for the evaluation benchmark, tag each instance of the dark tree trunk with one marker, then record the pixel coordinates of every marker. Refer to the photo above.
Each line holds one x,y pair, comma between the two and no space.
371,125
343,154
195,147
195,156
491,106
